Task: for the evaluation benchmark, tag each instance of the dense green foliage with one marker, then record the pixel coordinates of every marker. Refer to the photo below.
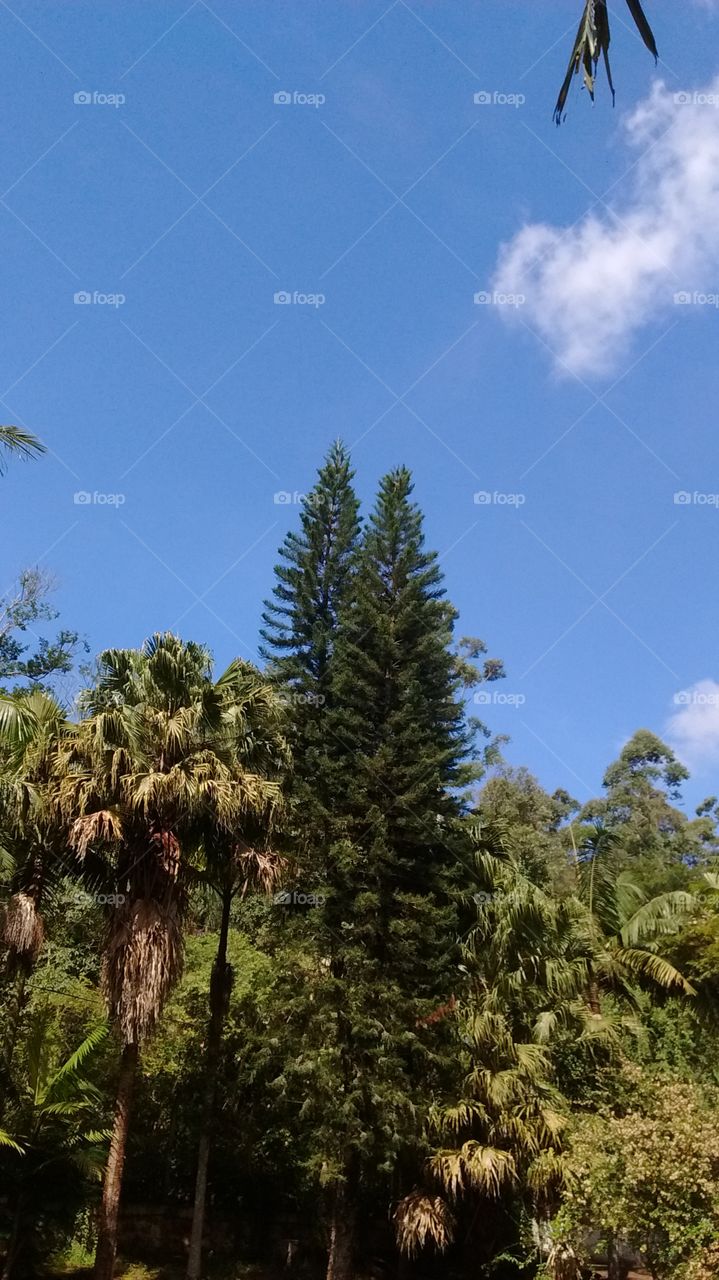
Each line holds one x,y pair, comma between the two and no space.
295,964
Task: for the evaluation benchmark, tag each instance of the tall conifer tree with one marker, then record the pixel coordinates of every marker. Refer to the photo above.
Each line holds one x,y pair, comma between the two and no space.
300,628
300,620
375,967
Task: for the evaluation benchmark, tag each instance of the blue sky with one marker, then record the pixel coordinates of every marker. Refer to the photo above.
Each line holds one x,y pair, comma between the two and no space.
184,188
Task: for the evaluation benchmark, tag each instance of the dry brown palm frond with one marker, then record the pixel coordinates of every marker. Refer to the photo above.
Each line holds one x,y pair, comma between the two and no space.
143,961
422,1219
547,1172
485,1168
167,848
261,868
23,931
457,1118
102,827
447,1168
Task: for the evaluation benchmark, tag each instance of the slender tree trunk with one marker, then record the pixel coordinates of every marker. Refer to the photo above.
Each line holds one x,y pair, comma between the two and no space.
110,1209
617,1265
15,1243
220,984
592,999
21,999
340,1261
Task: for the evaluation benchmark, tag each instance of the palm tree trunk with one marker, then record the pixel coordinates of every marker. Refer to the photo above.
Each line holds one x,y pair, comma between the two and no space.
21,999
219,995
110,1209
15,1243
593,1000
340,1261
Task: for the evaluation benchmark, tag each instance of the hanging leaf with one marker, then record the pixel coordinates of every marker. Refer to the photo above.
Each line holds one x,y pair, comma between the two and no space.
643,27
592,42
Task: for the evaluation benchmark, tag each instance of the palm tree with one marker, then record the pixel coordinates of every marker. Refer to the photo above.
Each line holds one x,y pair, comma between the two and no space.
592,43
32,726
536,966
622,924
236,856
54,1130
525,966
14,440
139,777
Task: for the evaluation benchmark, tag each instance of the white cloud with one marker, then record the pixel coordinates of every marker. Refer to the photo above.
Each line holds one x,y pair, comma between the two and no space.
590,287
693,730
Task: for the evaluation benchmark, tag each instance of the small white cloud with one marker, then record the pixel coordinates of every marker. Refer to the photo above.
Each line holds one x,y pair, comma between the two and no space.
693,729
591,286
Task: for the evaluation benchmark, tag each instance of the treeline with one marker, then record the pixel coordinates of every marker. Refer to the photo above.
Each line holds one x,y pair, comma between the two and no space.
291,953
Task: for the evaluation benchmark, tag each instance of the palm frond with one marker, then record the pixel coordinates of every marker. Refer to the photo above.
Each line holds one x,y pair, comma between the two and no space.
659,911
422,1219
647,964
102,827
23,931
592,43
7,1141
15,440
71,1066
90,1162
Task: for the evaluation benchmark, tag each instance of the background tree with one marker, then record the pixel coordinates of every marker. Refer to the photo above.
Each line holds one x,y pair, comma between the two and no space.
58,1140
237,854
622,923
21,609
639,810
647,1175
525,966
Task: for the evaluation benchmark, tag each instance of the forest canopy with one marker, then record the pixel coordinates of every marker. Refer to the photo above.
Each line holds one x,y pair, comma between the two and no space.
293,957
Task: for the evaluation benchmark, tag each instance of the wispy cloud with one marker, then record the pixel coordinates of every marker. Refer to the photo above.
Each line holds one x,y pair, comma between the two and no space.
590,287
